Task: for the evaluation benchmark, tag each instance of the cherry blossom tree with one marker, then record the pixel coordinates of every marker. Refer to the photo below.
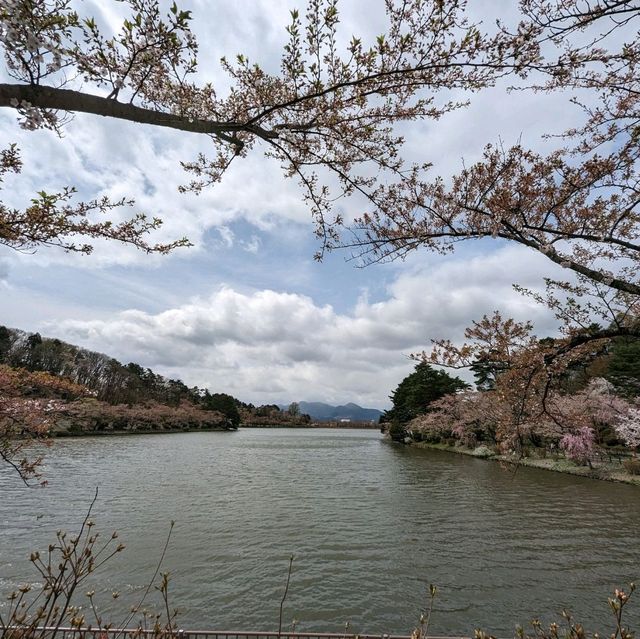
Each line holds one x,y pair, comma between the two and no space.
329,116
578,445
571,421
470,417
521,388
51,219
628,428
577,206
28,405
527,403
330,111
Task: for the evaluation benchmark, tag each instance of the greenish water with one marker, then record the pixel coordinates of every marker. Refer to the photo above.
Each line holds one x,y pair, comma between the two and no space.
370,524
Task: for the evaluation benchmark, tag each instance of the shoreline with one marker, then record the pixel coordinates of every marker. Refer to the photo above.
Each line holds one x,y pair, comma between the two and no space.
65,434
602,472
114,433
330,425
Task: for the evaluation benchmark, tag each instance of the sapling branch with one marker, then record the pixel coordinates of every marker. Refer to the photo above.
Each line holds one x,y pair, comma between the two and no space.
284,595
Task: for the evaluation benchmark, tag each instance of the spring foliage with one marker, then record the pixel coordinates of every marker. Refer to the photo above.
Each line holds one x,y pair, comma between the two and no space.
331,107
329,116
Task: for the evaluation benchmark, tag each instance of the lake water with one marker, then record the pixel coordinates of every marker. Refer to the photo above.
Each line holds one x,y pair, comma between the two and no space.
370,523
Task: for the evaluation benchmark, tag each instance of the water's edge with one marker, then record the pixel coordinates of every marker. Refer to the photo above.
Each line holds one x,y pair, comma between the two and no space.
98,434
618,475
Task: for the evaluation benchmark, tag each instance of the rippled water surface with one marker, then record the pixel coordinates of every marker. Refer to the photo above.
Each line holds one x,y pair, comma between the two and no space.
370,524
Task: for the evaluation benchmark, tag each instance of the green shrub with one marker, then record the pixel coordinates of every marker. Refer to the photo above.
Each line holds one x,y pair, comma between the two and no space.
397,431
431,437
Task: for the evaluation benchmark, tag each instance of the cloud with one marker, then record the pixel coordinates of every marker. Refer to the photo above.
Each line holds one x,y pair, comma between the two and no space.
246,310
252,245
226,234
4,271
273,346
102,156
122,160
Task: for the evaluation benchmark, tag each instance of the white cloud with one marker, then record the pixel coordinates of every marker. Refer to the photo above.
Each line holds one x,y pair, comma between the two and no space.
4,271
267,346
227,235
252,245
121,160
248,336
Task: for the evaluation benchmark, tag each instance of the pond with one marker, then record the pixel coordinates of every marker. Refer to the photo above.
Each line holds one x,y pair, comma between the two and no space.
371,524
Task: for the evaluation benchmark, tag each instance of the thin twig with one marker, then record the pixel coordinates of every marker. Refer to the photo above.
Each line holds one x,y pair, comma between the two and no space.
135,609
284,596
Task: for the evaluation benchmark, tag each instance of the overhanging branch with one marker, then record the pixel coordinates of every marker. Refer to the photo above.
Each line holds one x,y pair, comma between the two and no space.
44,97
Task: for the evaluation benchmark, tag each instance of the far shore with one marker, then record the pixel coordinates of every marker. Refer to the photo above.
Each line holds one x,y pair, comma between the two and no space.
65,434
351,425
603,471
160,431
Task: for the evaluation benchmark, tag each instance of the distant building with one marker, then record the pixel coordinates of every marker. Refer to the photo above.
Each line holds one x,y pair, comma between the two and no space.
344,420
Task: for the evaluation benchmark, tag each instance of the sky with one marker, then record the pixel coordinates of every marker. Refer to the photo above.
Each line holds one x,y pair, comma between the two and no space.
247,310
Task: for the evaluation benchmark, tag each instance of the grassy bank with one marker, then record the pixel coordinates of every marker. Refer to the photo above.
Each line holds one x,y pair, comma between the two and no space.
602,470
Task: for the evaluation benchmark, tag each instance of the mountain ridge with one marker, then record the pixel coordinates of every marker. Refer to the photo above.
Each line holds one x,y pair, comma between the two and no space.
322,411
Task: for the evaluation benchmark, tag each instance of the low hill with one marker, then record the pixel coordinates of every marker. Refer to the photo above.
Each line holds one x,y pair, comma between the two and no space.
147,396
322,412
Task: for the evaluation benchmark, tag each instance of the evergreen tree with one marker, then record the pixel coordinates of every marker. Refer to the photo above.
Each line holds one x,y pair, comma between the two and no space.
223,403
624,367
5,342
486,372
416,391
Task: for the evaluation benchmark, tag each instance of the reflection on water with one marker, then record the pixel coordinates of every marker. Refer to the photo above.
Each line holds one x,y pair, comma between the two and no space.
370,524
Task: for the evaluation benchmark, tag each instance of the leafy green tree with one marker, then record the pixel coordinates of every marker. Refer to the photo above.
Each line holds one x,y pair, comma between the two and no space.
223,403
486,371
418,390
624,367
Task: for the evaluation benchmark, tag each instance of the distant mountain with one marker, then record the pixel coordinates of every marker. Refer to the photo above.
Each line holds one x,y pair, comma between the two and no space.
325,412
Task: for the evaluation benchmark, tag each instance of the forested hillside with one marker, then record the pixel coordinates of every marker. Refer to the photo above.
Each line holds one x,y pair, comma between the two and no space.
326,412
141,395
112,381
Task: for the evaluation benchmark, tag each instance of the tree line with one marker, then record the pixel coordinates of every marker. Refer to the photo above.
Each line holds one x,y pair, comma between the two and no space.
594,403
48,386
